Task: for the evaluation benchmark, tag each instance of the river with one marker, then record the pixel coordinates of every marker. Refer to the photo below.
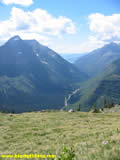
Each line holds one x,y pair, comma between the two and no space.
69,96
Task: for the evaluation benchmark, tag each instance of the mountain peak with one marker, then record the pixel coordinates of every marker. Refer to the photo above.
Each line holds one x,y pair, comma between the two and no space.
112,44
15,38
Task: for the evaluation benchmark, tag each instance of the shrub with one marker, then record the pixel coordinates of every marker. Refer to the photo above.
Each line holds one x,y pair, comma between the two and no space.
96,110
4,111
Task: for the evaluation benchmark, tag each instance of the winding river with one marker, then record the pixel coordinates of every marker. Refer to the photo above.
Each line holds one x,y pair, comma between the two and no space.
69,96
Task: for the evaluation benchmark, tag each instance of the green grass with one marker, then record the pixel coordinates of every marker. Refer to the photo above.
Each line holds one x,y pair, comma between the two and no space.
92,136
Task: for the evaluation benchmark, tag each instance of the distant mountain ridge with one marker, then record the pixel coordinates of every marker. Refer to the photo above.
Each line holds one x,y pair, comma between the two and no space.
33,76
106,85
102,65
97,60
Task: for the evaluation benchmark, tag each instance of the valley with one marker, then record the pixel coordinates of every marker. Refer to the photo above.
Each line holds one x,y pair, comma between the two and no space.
104,83
34,77
59,80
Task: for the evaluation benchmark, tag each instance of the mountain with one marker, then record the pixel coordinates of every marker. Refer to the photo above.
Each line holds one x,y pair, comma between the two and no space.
97,60
72,57
34,77
104,86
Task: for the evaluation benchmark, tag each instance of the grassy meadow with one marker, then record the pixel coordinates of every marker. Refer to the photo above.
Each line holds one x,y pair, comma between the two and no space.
92,136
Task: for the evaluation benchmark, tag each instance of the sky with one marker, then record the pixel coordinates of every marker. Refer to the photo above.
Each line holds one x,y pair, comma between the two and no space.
66,26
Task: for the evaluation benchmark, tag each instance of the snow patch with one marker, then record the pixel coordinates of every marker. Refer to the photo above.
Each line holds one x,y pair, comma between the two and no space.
16,38
52,54
44,62
37,55
19,52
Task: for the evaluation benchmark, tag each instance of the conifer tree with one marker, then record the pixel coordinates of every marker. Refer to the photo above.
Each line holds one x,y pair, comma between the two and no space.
112,103
95,109
79,107
105,103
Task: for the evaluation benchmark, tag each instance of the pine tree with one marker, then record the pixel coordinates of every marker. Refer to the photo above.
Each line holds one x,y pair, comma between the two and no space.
94,106
119,103
95,109
112,103
105,103
79,108
13,112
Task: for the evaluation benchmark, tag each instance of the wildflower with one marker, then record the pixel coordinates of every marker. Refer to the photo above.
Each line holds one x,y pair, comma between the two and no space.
105,142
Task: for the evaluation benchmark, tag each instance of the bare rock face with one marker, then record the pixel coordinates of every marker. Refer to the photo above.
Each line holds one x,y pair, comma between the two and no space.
71,110
10,115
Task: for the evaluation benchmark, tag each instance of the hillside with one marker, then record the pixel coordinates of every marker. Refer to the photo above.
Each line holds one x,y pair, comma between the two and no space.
105,85
96,61
91,135
34,77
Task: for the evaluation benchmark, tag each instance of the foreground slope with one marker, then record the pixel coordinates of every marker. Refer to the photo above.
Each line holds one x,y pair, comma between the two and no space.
93,136
33,76
96,61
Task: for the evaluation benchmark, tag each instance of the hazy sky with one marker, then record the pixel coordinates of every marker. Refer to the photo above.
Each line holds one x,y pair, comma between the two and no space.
66,26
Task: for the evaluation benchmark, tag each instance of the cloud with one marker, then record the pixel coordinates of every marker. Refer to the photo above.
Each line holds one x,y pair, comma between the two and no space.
77,47
20,2
42,26
103,30
106,28
37,24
